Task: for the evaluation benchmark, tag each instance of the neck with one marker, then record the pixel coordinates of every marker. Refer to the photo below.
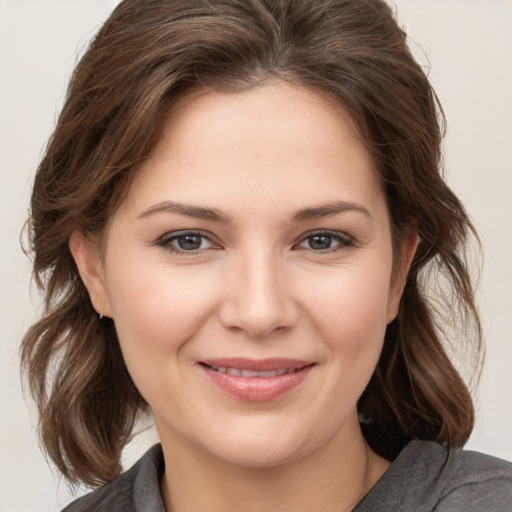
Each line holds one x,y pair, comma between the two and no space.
332,479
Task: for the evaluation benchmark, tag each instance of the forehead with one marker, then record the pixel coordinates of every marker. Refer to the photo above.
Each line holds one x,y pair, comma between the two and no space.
262,142
275,113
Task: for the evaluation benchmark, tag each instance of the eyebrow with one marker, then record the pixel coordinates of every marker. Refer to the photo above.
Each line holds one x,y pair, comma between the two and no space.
198,212
330,209
213,214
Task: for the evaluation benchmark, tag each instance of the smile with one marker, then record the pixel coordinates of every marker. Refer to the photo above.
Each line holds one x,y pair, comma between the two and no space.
252,373
256,381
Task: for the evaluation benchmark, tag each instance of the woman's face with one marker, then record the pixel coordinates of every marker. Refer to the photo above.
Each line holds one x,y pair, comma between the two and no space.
249,275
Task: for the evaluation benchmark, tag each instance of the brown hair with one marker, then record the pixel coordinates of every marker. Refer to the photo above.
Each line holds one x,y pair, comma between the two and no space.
147,54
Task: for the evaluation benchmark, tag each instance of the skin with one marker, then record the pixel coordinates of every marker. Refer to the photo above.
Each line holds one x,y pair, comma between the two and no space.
256,286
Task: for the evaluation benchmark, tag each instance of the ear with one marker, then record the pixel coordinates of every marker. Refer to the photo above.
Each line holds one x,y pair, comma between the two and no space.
88,260
400,271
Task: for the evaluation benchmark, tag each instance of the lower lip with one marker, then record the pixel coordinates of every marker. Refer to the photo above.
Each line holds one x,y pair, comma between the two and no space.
257,389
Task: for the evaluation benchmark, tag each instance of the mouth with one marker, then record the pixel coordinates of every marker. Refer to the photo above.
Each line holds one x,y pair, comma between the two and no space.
252,373
256,380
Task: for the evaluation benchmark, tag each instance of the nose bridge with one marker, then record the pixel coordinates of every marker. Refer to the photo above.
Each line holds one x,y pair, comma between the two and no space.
260,299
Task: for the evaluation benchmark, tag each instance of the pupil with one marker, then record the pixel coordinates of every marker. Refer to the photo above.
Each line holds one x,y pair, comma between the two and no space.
320,242
189,242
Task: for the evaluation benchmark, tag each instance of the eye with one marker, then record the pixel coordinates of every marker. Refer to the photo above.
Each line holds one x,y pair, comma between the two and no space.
325,241
186,242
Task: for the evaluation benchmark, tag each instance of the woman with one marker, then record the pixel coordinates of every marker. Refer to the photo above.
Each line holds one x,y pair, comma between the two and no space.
237,225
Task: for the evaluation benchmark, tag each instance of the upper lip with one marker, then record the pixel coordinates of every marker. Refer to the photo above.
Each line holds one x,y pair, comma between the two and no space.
258,365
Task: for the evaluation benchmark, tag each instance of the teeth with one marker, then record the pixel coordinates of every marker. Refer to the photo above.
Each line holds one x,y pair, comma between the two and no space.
270,373
248,373
252,373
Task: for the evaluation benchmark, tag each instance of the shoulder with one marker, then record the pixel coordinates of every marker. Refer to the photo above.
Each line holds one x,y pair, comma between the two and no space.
135,490
427,477
478,482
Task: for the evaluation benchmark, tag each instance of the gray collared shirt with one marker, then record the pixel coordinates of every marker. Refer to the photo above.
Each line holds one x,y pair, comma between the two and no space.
425,477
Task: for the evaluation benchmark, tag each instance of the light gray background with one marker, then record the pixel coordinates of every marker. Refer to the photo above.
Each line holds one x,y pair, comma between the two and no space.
469,46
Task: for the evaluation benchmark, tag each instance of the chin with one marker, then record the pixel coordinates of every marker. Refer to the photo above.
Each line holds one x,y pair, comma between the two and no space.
262,453
263,442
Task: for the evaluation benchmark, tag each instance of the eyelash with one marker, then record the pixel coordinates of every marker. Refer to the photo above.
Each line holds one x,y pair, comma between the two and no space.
343,241
166,241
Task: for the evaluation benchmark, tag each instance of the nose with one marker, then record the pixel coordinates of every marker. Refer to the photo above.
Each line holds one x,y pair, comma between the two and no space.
259,299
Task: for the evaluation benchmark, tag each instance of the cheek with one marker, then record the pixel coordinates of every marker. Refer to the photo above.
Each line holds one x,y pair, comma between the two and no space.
350,307
349,312
156,313
156,310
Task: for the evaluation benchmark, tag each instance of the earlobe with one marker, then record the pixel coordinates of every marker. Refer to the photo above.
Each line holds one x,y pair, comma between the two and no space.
88,261
399,278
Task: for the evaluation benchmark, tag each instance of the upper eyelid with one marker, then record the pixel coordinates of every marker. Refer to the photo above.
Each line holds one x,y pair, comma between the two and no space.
338,234
184,232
